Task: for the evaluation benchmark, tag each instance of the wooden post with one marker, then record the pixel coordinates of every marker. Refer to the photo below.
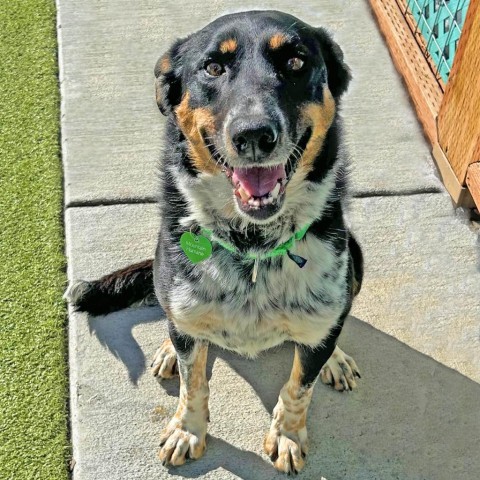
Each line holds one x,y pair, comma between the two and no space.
458,121
473,182
451,121
410,61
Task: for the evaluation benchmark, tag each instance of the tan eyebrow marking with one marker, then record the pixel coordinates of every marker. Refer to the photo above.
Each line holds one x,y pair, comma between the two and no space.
277,41
228,46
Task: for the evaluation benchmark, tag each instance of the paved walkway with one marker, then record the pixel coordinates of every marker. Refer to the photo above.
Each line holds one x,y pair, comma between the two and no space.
414,330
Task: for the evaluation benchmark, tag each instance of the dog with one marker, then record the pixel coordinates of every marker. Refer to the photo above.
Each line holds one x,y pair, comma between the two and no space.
253,249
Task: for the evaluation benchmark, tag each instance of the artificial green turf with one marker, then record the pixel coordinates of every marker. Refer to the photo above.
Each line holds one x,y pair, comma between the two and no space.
33,377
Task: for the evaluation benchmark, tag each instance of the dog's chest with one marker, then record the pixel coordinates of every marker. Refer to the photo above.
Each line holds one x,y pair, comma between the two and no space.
286,303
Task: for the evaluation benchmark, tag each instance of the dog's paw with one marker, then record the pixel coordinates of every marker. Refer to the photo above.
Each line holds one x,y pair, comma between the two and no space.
340,371
179,444
164,364
287,450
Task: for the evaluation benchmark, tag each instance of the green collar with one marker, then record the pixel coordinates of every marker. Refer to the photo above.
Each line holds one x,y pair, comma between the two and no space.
282,249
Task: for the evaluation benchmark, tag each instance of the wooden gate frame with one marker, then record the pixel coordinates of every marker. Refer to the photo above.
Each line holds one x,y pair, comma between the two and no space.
450,114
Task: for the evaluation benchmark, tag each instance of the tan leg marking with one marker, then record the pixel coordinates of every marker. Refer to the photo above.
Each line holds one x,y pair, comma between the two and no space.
164,362
184,436
340,371
286,443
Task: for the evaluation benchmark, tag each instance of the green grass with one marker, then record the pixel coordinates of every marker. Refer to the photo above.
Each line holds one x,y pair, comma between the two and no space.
33,376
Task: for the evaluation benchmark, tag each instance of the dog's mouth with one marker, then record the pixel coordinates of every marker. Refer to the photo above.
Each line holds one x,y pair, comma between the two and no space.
260,190
257,187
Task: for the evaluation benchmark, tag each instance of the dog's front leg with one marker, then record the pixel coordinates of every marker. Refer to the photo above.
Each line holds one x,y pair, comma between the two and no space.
184,436
286,442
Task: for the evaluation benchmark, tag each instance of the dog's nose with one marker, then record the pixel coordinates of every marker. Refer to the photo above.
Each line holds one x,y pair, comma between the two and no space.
254,136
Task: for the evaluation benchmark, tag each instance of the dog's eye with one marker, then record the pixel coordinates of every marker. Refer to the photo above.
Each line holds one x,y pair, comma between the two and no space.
295,63
214,69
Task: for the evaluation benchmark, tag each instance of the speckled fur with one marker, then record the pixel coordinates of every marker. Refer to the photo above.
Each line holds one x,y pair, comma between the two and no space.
285,303
216,301
184,436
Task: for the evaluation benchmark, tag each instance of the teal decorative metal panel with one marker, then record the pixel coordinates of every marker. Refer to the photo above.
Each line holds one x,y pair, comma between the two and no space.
440,22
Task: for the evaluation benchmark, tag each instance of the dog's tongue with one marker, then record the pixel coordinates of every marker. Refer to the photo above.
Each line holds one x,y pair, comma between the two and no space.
258,181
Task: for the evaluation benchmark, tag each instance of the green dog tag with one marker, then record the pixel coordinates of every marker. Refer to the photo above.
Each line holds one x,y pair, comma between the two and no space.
196,247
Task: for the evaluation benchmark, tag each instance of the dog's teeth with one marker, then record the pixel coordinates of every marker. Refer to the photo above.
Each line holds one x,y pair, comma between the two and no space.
275,191
240,192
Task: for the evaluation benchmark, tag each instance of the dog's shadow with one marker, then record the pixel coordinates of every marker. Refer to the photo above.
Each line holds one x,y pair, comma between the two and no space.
411,417
115,332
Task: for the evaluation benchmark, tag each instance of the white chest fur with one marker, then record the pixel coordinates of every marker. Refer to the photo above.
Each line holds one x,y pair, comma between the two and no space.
285,303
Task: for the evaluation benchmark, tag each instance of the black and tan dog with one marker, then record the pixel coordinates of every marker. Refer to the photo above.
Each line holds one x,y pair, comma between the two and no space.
253,168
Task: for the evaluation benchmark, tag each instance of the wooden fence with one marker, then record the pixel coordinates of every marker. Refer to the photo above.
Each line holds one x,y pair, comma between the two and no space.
446,98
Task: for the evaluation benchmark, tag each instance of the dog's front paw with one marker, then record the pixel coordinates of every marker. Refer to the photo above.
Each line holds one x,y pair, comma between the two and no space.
180,443
164,362
286,449
340,371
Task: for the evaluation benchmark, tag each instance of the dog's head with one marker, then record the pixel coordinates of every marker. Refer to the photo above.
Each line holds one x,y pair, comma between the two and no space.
254,94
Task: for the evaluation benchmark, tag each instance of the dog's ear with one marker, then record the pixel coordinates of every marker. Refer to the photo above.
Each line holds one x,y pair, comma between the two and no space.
338,72
168,82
